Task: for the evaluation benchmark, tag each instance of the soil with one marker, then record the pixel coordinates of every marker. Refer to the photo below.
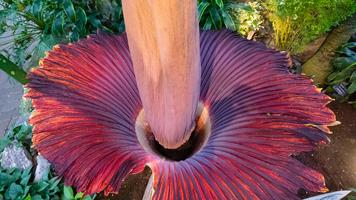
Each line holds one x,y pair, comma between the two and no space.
337,160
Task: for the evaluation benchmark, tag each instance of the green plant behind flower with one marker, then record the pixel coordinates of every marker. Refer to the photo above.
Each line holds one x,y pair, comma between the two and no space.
298,22
17,184
29,28
219,14
247,17
342,82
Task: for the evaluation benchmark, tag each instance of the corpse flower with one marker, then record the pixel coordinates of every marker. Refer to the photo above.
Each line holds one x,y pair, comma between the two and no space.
222,125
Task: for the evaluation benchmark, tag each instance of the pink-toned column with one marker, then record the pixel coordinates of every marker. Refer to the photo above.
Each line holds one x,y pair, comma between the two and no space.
163,38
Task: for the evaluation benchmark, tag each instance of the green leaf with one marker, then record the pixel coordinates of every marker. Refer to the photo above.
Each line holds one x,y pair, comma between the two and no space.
220,3
352,88
24,180
82,19
6,179
201,9
54,183
40,186
69,10
215,18
343,62
332,76
68,192
28,197
353,76
228,21
79,195
13,192
16,173
207,25
37,8
37,197
74,35
3,143
23,132
25,192
58,24
13,70
95,22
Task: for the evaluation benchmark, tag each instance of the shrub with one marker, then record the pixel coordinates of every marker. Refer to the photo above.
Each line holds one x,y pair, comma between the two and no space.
342,82
247,18
297,22
29,28
241,17
17,184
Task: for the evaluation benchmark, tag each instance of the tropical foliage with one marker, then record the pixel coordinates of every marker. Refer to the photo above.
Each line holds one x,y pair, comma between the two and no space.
297,22
31,27
18,184
342,82
218,14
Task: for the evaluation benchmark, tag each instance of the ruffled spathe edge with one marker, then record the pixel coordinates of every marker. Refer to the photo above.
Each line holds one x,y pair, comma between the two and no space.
86,102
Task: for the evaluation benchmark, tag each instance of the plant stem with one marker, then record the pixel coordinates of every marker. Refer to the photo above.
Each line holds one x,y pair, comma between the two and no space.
163,37
13,70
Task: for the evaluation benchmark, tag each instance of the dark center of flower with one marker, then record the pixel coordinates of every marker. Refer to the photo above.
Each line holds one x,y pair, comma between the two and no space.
197,139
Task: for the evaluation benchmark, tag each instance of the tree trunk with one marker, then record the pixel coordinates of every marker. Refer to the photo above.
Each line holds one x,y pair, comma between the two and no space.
163,37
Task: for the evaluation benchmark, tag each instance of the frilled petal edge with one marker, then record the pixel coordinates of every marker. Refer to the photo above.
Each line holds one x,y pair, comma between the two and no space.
86,102
261,114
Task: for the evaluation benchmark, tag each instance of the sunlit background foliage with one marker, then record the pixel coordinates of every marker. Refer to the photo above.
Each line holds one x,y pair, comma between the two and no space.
296,22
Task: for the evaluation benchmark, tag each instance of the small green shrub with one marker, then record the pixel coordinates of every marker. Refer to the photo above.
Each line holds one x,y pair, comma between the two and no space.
247,18
342,82
218,14
298,22
30,27
17,184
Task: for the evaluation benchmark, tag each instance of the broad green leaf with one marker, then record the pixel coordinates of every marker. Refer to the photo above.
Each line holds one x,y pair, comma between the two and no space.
40,186
215,18
68,192
24,180
54,183
14,191
344,74
353,76
343,62
37,197
23,132
37,8
13,70
6,179
352,88
25,192
16,173
28,197
69,10
207,24
332,76
3,143
95,22
74,35
228,21
82,19
79,195
201,9
58,24
220,3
